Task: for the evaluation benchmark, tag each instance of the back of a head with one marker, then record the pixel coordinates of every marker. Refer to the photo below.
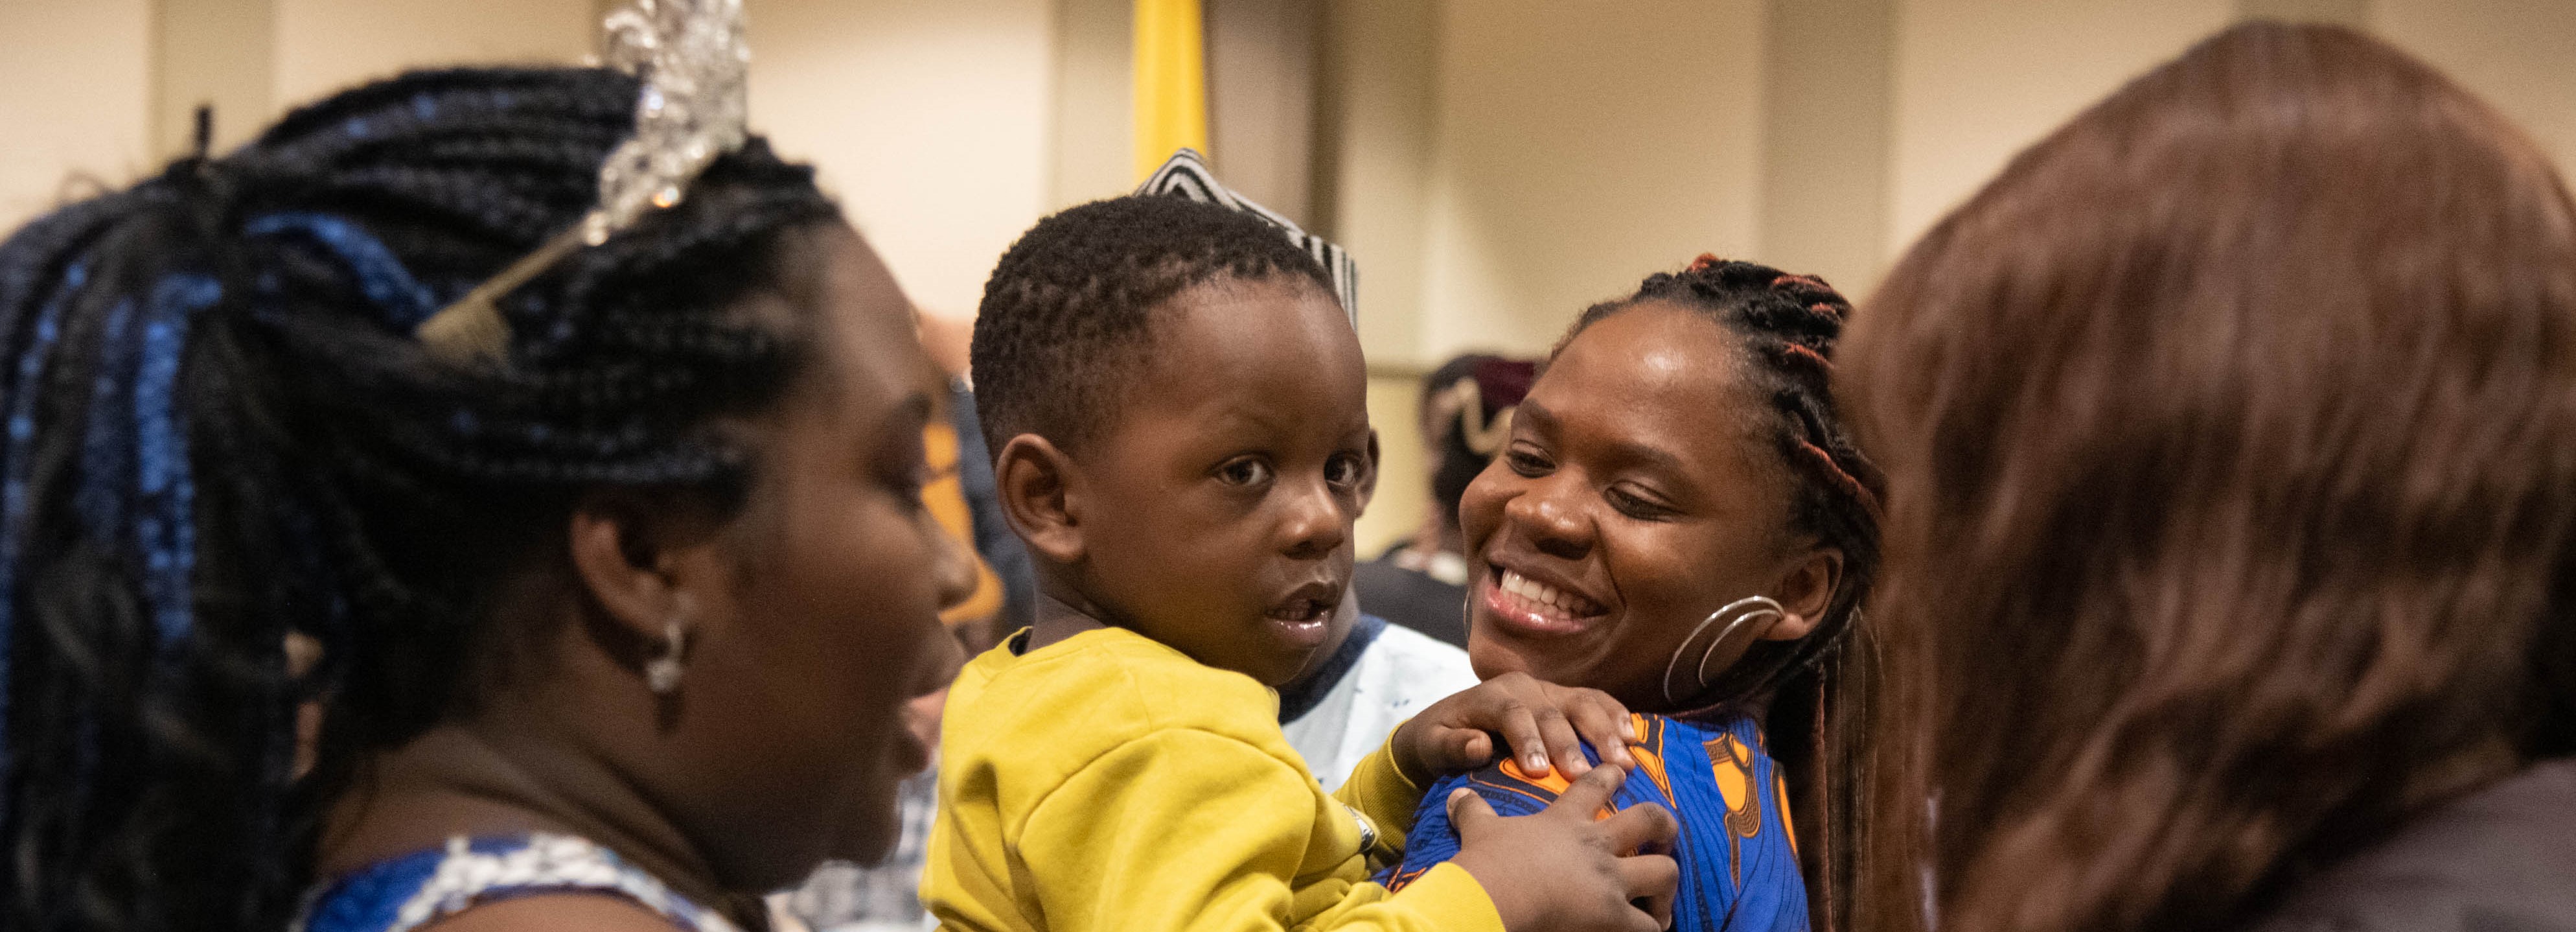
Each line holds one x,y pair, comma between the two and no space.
1067,318
222,430
2228,434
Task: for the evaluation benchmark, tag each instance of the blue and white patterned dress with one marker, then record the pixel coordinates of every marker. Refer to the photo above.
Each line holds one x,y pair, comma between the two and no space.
405,893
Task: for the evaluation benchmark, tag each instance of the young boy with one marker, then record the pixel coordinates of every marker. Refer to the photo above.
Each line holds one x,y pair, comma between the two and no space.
1178,404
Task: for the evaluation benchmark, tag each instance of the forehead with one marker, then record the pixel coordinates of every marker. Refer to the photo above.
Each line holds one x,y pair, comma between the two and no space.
1659,376
870,356
1658,354
1278,346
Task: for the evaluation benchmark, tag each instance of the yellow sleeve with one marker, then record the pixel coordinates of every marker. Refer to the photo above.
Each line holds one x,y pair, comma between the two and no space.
1380,791
1183,829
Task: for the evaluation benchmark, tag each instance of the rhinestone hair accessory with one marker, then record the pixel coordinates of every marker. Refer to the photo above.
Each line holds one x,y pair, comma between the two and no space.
690,56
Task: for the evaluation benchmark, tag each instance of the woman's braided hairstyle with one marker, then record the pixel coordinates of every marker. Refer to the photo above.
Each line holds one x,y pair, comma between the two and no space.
1787,325
1820,688
220,431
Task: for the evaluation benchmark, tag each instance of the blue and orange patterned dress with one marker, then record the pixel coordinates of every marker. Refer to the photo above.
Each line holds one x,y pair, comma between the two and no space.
1739,861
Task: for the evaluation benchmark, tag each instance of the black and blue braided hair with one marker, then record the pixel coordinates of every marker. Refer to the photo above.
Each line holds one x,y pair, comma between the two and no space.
219,430
1820,690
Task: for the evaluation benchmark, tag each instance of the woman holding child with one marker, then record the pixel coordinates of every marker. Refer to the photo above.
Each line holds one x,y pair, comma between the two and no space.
1680,520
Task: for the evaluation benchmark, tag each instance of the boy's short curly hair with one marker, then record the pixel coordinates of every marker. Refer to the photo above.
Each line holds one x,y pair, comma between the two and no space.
1066,321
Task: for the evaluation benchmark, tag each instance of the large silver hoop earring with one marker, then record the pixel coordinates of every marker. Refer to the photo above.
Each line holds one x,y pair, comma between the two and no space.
1737,615
662,673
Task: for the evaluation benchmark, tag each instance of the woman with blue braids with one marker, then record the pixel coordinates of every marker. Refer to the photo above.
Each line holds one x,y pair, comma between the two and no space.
618,597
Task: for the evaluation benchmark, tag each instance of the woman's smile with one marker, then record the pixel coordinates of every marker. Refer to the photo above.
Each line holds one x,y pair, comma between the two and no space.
1535,607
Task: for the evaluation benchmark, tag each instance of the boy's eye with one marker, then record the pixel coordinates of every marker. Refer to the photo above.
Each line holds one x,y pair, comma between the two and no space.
1244,472
1345,471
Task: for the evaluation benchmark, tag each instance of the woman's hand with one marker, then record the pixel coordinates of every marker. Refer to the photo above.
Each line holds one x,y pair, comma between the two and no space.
1567,868
1541,722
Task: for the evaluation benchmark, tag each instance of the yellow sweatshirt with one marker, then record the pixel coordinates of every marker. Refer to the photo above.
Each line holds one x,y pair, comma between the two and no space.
1109,783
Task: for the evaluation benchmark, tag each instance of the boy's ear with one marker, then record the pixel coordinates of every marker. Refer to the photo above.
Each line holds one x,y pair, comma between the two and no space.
1805,591
1037,482
1368,483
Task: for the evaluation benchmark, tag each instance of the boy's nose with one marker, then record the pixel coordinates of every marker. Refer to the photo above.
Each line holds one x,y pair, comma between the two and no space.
1315,523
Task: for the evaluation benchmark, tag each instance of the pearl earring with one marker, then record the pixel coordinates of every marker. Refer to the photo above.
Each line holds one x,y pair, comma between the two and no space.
662,673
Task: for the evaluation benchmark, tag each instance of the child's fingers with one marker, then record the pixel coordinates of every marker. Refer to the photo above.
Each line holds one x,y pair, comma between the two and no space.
1651,880
1520,730
1467,749
1468,812
1564,746
1647,827
1605,725
1591,793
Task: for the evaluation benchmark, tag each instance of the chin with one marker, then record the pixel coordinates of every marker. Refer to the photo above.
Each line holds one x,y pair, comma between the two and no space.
870,845
1487,654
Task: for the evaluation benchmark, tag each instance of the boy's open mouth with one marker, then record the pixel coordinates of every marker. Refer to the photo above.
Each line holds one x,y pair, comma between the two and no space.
1303,615
1301,610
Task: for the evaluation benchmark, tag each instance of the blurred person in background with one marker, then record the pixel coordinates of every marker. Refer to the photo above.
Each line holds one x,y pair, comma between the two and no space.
618,596
1421,582
2232,546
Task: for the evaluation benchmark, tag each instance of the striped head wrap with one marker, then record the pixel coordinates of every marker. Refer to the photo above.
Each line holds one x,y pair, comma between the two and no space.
1186,175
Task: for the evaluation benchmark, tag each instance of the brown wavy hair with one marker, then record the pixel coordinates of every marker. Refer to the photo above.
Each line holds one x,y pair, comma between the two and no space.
2231,441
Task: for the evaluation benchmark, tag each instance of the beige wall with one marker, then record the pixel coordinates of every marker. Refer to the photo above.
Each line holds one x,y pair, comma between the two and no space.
928,118
2518,54
74,99
1380,106
1581,146
1978,80
325,45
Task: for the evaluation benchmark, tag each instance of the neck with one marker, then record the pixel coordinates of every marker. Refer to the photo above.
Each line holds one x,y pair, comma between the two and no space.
501,777
1061,614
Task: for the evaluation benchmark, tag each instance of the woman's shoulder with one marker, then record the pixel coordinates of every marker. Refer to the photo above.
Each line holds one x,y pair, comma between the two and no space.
2503,857
559,881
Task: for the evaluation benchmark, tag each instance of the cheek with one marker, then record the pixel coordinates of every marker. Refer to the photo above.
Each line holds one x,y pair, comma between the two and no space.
1672,578
852,596
1480,510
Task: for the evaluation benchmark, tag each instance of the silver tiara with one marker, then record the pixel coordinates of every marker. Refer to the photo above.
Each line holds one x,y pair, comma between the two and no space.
690,56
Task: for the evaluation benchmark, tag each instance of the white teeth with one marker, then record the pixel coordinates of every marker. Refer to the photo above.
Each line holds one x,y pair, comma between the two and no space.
1536,591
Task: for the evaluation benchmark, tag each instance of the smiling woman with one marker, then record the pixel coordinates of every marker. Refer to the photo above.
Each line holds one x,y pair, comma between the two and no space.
1679,520
615,624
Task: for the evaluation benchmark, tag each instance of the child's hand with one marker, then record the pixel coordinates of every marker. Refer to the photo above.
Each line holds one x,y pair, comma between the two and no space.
1540,721
1567,868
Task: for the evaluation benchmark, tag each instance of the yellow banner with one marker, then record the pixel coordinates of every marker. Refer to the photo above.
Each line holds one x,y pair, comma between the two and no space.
1171,82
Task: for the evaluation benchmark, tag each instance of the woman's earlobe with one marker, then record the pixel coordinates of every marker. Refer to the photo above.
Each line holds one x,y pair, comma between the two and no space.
620,563
1790,627
1806,594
